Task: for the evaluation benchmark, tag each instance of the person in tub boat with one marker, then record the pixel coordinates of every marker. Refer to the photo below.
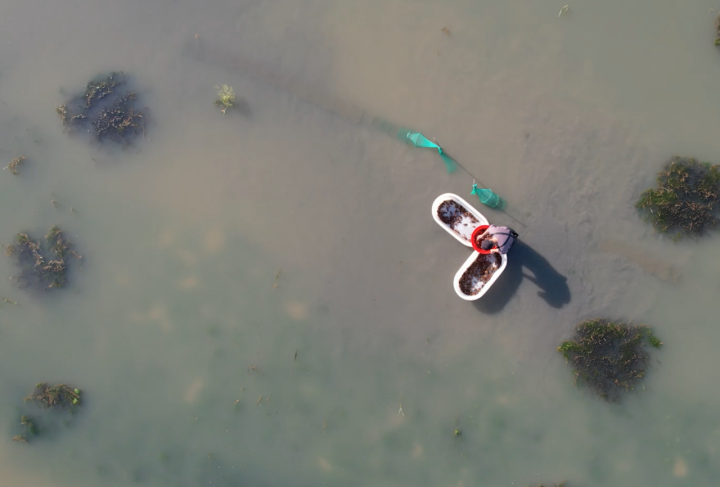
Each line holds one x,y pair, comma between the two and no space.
499,240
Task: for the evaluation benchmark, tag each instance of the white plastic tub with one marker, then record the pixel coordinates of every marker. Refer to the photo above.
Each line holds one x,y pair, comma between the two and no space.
486,286
464,236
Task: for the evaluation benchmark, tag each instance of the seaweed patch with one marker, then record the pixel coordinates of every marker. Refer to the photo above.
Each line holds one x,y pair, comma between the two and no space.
686,199
609,357
43,399
106,109
43,265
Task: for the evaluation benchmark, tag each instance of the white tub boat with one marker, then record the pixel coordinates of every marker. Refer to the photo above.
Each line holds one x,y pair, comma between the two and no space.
464,220
464,229
478,285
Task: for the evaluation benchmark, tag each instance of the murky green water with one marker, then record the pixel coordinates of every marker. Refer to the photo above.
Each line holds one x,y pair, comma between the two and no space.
183,235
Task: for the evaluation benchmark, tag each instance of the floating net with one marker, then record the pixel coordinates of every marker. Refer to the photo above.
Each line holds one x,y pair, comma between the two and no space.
486,196
261,72
413,138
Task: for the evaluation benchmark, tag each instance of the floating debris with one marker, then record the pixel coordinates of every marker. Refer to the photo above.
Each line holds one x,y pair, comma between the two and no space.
277,276
107,108
226,97
561,484
20,439
608,357
14,164
564,10
42,266
686,199
457,432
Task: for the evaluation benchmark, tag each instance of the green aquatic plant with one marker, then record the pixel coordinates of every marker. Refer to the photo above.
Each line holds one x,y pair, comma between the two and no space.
226,97
53,404
608,357
717,27
654,341
14,164
686,198
42,266
58,396
107,107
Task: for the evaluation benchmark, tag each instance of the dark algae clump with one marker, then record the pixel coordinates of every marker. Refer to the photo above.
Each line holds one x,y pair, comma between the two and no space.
717,27
685,201
43,265
59,396
45,398
609,357
106,109
119,121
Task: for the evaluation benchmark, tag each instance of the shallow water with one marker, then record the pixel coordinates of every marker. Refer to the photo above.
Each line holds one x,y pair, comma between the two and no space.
184,233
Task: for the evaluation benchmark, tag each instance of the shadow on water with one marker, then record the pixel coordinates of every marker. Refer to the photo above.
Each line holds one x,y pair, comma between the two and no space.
553,285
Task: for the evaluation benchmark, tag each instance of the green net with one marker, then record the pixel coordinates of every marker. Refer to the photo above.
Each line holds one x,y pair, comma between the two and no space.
486,196
419,140
320,98
414,138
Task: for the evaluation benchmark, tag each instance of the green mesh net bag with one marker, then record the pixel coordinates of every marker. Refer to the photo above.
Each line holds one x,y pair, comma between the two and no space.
413,138
486,196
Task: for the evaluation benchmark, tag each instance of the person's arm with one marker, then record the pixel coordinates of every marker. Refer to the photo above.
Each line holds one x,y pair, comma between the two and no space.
495,250
480,237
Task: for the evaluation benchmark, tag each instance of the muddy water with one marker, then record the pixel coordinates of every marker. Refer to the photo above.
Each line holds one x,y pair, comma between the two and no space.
264,298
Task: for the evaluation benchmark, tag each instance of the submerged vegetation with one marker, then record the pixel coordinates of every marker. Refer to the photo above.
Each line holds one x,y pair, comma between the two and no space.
608,357
14,164
686,198
42,266
59,397
717,27
226,97
107,108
